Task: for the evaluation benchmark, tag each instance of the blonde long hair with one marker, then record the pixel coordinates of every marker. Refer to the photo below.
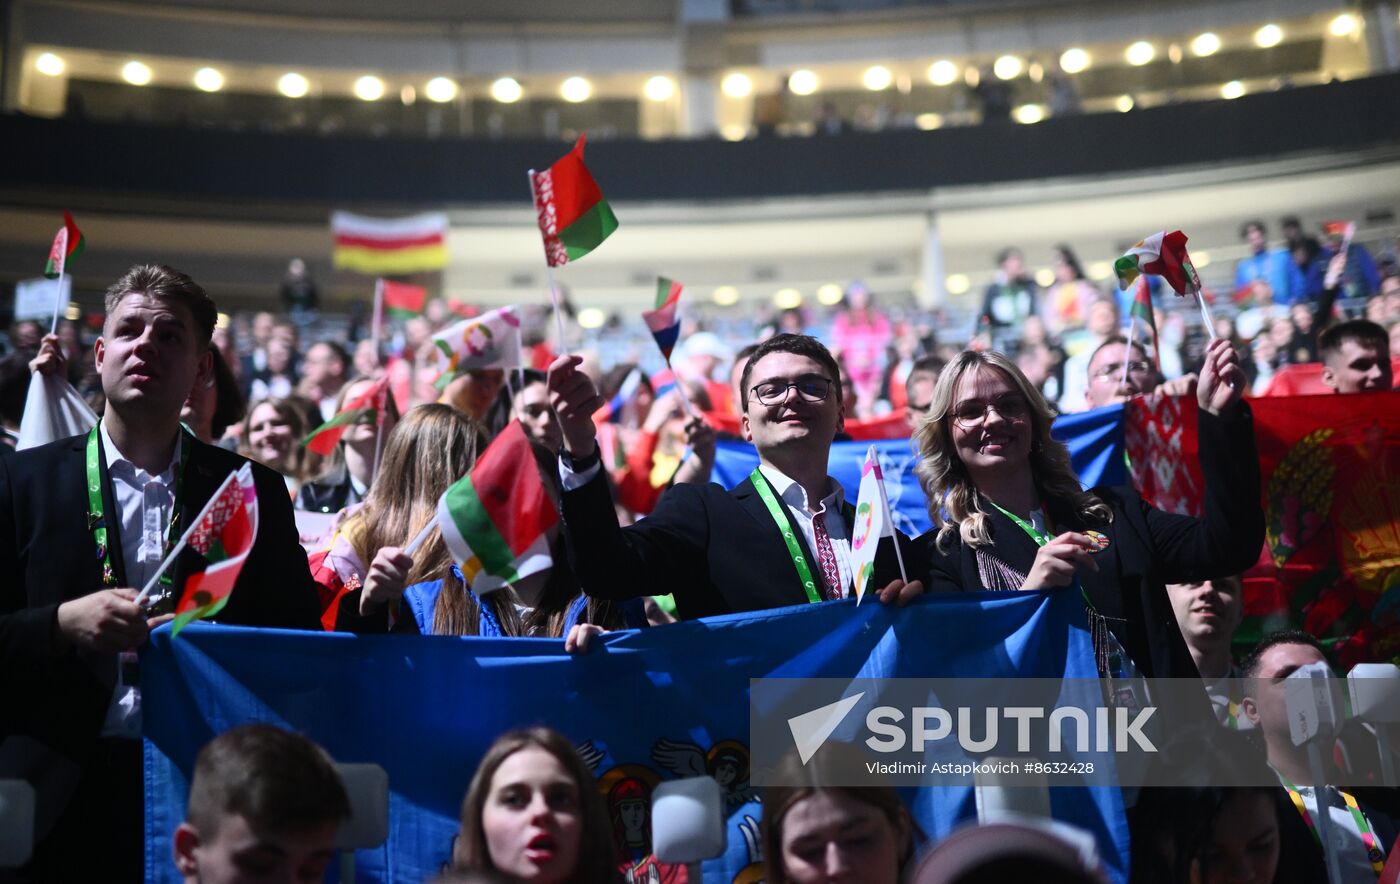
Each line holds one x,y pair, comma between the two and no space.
953,500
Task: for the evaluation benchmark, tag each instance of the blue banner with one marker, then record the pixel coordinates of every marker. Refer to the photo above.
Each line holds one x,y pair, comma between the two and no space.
1094,439
643,706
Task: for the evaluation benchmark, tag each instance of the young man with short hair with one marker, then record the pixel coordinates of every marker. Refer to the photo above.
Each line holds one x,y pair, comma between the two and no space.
1356,357
264,805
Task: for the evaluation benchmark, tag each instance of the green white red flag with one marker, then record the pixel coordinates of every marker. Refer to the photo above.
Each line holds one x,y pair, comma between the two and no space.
872,522
369,404
574,217
68,244
491,340
224,535
495,521
1161,254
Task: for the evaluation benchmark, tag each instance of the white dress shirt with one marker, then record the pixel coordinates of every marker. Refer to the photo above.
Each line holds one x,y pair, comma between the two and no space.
795,496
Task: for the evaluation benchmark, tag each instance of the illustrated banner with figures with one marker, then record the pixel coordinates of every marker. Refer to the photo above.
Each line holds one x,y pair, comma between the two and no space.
642,706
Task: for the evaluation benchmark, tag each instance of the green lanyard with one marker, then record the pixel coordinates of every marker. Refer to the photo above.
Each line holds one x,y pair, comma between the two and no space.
1040,540
799,561
96,520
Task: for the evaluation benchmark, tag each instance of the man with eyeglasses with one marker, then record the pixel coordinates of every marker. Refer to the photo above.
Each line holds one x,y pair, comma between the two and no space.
781,537
1110,384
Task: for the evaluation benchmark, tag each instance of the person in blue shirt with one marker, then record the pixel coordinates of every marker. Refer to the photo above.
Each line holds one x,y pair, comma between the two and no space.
1360,278
1273,265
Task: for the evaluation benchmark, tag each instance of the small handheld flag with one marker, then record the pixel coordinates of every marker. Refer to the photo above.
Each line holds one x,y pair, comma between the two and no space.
403,301
1141,310
665,321
873,521
574,217
1164,254
491,340
373,401
224,535
68,244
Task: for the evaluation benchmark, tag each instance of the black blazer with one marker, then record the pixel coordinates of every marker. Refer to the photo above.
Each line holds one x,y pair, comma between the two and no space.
717,551
48,556
1147,547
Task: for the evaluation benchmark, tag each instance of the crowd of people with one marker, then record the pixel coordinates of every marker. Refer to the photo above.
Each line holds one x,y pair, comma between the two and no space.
627,460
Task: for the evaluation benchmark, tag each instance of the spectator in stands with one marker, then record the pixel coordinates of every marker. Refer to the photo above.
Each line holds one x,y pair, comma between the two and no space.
530,405
14,389
702,355
829,121
533,811
671,448
1024,850
1110,384
1067,302
1261,311
214,405
1360,277
1362,831
994,94
711,546
1356,357
1389,297
346,476
1040,355
1009,513
278,379
1104,323
272,434
265,804
473,392
323,373
816,831
1011,297
918,388
67,606
1274,266
859,335
736,374
1208,612
1303,345
298,291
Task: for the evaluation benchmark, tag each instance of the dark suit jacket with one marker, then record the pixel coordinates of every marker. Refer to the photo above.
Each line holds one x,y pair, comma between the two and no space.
717,551
1147,547
48,556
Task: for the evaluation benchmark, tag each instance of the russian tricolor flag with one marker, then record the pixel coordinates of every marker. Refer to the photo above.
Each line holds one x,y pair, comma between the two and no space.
665,320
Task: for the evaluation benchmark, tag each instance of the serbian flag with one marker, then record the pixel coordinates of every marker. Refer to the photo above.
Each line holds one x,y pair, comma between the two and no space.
403,301
494,521
224,535
573,216
665,320
1141,311
1161,254
390,245
491,340
67,244
373,401
872,522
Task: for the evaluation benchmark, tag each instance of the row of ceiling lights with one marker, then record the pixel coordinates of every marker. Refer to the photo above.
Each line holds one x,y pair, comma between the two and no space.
735,85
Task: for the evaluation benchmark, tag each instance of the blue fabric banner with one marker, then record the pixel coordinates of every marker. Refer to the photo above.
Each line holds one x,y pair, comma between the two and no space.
643,706
1094,439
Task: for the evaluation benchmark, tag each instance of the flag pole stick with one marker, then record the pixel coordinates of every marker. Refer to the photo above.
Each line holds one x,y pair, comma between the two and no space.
1199,292
549,268
1128,354
58,304
680,391
894,532
376,323
184,538
378,445
421,536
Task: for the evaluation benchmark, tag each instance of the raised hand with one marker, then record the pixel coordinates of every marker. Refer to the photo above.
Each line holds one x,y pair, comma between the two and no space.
574,398
50,359
1222,381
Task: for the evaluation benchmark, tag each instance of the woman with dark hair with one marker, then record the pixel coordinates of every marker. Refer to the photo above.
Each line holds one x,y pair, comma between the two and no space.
212,408
533,812
345,478
1066,305
1009,512
816,832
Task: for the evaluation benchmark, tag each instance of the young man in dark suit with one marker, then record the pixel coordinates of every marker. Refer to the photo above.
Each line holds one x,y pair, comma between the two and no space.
84,523
781,537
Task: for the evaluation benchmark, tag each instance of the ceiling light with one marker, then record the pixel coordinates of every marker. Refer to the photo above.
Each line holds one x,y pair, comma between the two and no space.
1124,103
293,85
737,85
591,317
49,65
1045,277
1008,67
659,88
928,122
957,284
725,296
1140,53
734,132
1029,113
1232,89
441,89
575,89
1074,60
136,73
369,88
830,294
1268,36
877,77
942,73
803,82
1343,25
507,90
1200,258
786,299
208,80
1100,270
1205,44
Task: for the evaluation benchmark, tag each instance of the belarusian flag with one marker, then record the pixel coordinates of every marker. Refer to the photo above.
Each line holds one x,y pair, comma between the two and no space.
574,218
1164,255
373,401
665,320
491,340
224,535
67,244
494,520
403,301
1142,310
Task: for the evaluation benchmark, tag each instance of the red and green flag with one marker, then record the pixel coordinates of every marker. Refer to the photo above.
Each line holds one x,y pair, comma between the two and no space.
403,301
1141,311
371,402
495,520
67,244
574,217
1161,254
224,535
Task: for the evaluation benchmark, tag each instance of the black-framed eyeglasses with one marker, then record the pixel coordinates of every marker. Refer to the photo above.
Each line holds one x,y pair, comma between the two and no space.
1011,407
813,388
1115,369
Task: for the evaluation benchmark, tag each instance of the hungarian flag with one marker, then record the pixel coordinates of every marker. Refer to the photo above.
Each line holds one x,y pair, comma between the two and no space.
872,522
67,244
491,340
1141,310
573,216
403,301
665,320
373,401
494,521
224,535
390,245
1164,255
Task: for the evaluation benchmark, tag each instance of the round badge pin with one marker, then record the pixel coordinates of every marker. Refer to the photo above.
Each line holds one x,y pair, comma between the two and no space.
1098,539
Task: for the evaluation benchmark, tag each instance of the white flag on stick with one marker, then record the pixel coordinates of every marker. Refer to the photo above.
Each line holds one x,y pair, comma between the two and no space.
52,410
